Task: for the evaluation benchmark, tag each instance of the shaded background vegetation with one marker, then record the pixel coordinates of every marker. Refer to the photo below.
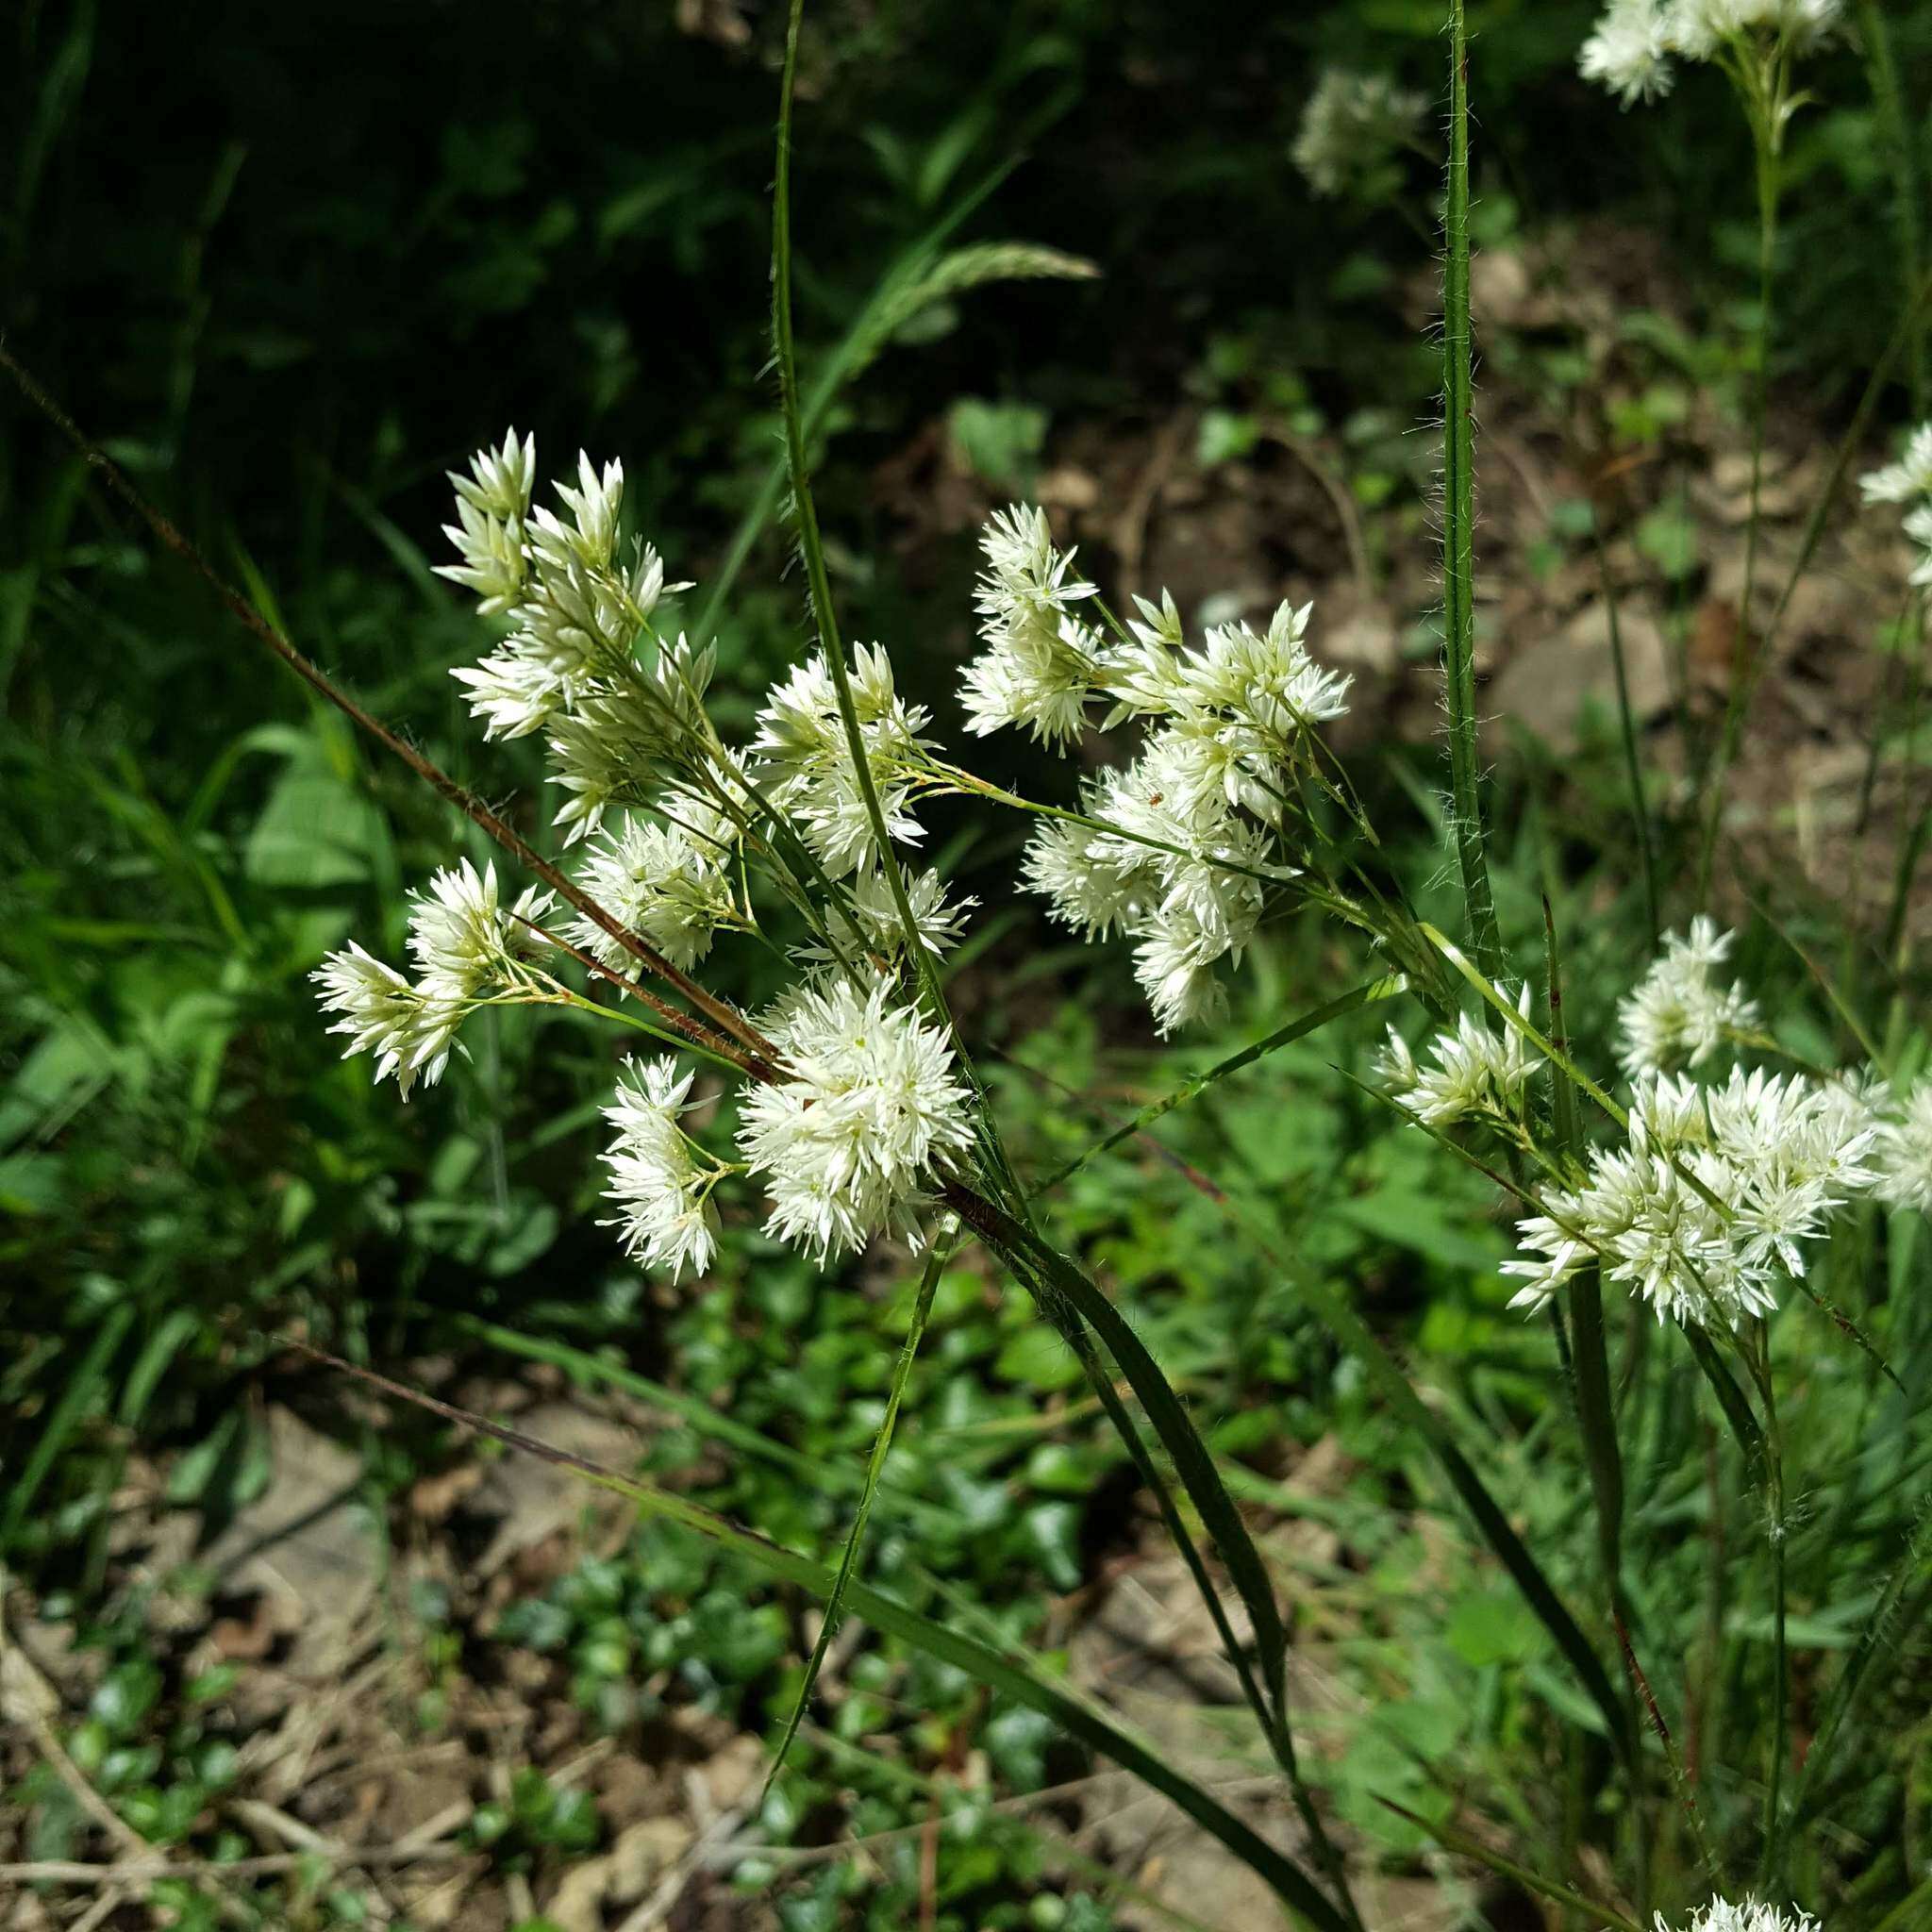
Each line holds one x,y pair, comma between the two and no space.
290,264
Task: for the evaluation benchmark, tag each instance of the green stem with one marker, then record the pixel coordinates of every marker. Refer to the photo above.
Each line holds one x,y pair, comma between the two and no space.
1760,1359
1744,656
1895,131
1459,520
1596,1411
810,545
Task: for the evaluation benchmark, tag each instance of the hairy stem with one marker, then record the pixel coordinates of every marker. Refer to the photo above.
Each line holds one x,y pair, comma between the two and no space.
1459,521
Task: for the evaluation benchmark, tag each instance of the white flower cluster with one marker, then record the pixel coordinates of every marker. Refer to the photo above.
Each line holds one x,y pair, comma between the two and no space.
1178,848
1901,1151
815,781
1718,1189
1908,482
870,1104
1472,1072
1720,1915
865,1110
1678,1015
466,948
1707,1206
576,601
660,1179
1352,128
1039,666
1629,51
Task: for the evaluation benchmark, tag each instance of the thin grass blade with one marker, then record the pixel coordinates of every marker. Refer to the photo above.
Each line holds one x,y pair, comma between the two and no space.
874,1470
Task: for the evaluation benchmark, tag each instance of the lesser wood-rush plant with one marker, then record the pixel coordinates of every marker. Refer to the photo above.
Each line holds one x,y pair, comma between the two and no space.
1704,1191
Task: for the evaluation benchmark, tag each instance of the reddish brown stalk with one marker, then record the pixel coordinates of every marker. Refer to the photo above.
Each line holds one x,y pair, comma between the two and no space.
758,1069
719,1011
1679,1775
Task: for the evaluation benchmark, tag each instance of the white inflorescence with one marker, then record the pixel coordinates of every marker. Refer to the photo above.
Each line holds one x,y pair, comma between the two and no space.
669,884
939,922
1472,1070
661,1181
804,753
465,947
1712,1200
1901,1151
1630,49
1176,849
869,1104
1039,664
1352,126
865,1104
1706,1207
1678,1015
1909,483
1720,1915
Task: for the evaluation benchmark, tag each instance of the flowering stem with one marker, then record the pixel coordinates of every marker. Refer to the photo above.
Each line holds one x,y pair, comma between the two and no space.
1896,133
725,1020
1072,1297
940,1252
1596,1412
1296,1029
811,546
1074,1304
1458,519
1008,1674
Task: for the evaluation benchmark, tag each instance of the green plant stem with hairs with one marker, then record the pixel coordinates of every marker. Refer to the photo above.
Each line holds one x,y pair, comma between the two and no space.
1458,521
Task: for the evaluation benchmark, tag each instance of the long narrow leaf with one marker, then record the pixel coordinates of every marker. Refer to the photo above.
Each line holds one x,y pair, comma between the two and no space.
1384,989
1467,1847
1332,1310
1596,1411
1192,1462
1883,1631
